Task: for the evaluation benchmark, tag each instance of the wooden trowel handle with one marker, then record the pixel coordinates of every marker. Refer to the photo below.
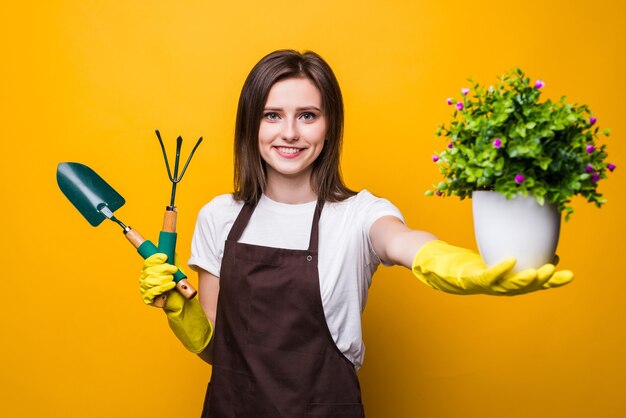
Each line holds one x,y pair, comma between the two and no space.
134,237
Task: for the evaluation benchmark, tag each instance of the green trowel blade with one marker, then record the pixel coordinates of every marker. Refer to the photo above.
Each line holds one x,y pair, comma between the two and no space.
87,191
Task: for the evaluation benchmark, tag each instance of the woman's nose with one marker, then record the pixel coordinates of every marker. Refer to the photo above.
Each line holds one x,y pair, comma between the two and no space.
290,131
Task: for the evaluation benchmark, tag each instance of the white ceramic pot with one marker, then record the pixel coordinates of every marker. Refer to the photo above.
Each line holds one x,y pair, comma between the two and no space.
518,227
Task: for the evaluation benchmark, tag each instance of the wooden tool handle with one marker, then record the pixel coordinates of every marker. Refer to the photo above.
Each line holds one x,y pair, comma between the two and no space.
159,301
186,289
169,219
134,237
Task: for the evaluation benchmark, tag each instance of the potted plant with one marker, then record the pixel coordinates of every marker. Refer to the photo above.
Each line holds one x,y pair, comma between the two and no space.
507,150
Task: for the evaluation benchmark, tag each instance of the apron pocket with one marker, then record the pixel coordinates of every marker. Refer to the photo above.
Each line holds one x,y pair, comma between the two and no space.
334,410
279,311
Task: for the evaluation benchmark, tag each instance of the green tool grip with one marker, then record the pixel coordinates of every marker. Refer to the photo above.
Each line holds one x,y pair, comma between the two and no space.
147,248
179,275
167,244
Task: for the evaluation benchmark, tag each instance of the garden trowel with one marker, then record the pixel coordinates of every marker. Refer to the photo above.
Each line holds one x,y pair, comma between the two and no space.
96,200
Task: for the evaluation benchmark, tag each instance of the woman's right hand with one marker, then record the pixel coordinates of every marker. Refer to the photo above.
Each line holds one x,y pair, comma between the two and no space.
185,317
157,277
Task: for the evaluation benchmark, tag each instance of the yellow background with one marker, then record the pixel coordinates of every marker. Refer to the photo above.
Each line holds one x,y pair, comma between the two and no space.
89,81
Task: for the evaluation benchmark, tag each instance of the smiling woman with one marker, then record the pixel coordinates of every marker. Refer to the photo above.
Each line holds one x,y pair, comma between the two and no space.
276,73
286,261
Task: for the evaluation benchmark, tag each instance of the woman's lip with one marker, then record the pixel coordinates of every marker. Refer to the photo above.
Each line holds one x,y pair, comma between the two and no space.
288,154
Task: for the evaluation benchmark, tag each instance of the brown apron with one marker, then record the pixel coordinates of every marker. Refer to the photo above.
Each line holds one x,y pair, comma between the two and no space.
273,354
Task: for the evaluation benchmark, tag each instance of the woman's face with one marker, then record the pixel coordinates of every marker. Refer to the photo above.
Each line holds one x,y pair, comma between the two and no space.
293,129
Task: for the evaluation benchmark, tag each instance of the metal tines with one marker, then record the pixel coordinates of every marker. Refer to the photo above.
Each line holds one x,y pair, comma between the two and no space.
175,178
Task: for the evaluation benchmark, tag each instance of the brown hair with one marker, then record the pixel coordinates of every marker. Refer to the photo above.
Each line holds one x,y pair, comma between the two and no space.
250,177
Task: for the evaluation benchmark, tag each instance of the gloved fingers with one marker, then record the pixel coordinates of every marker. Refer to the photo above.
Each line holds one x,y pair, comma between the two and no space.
544,273
155,265
147,296
558,279
157,274
522,282
155,260
157,277
159,269
153,280
160,258
495,273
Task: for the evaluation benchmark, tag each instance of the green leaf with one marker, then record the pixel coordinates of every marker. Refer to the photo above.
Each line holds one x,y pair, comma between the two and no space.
544,162
540,200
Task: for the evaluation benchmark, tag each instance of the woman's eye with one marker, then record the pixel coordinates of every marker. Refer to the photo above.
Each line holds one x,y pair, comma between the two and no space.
308,116
271,115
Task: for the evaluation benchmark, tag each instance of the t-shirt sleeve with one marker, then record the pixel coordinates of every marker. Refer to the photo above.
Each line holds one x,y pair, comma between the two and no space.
212,226
374,208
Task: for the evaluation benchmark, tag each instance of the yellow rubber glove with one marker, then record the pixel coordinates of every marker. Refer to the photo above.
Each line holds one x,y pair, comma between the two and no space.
463,272
185,317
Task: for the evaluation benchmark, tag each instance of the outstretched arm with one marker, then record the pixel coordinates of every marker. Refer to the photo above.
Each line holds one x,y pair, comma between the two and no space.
396,243
454,269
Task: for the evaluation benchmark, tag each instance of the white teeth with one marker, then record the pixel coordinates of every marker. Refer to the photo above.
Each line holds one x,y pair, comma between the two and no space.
288,150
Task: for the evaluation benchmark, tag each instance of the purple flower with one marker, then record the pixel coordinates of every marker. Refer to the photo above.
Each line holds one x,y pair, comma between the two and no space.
450,144
592,120
435,158
497,143
595,177
590,148
611,167
438,193
449,101
589,168
464,91
519,178
459,105
539,84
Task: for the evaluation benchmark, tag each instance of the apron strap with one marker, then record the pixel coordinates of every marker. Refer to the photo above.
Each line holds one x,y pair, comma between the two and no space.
241,222
313,242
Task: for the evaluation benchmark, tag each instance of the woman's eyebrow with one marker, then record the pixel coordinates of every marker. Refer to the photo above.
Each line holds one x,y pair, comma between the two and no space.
312,107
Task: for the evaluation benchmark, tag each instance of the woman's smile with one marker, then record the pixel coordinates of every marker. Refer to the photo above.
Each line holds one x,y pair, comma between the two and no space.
288,152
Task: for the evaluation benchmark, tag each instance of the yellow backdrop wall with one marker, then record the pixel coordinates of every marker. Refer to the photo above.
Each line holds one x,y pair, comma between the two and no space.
89,81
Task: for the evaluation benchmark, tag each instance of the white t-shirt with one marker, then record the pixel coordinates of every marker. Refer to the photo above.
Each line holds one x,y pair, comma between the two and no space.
346,263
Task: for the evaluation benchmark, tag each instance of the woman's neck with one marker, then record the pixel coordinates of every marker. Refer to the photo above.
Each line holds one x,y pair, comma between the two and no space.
292,191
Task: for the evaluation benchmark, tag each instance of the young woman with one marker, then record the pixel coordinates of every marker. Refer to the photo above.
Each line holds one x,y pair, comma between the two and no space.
285,262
